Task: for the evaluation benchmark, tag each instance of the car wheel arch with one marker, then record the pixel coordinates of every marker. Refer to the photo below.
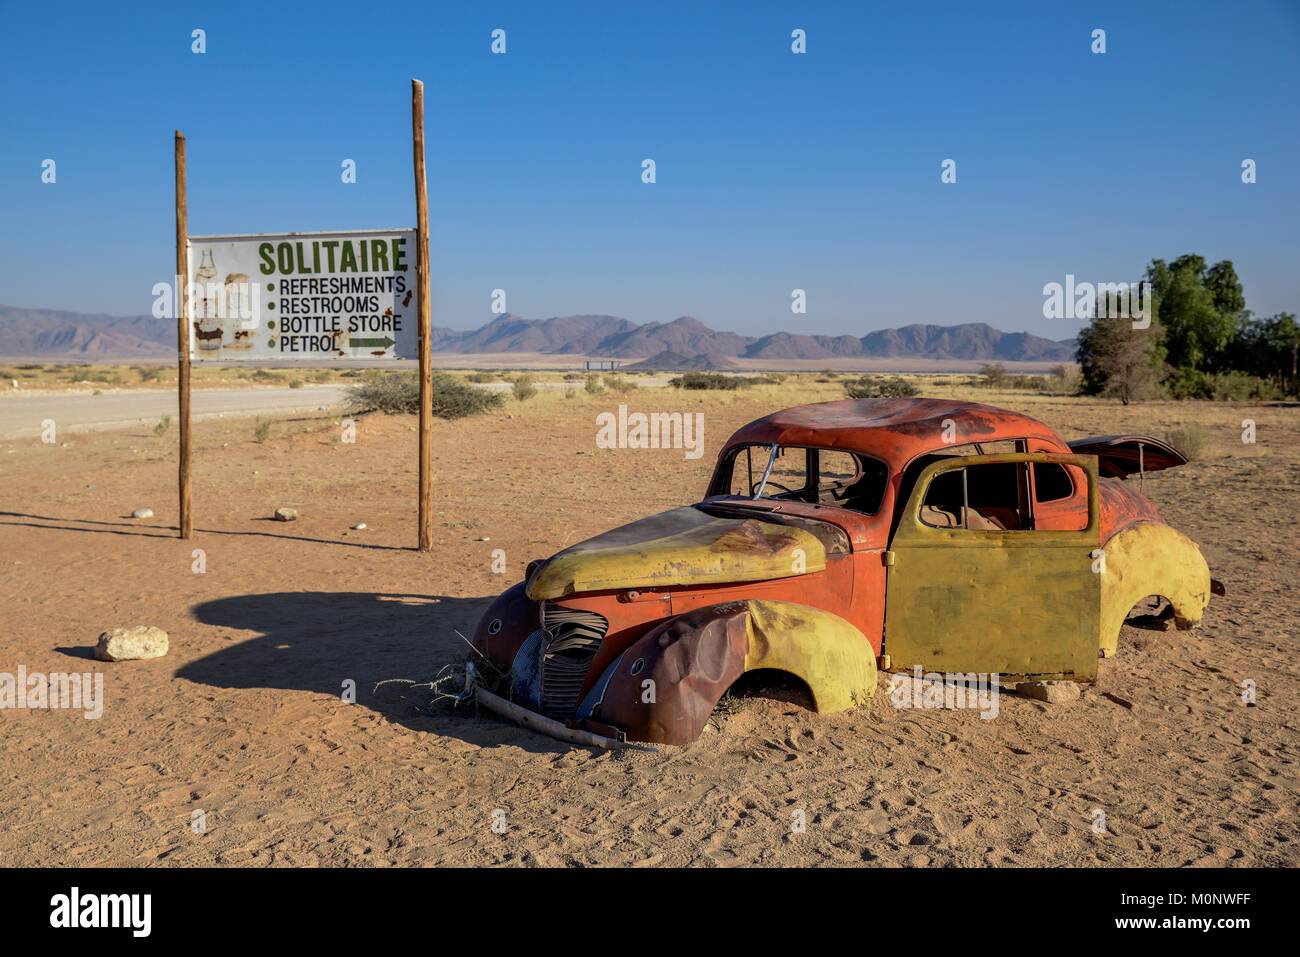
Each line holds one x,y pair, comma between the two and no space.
1146,559
667,684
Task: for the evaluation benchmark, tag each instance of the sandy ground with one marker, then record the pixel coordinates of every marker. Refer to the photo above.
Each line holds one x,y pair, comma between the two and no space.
244,721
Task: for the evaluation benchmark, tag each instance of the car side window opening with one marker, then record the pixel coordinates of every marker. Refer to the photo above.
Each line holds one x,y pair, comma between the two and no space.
1051,482
980,497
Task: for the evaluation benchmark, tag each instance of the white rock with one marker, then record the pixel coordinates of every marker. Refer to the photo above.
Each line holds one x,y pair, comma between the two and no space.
1053,692
359,527
142,513
286,515
129,644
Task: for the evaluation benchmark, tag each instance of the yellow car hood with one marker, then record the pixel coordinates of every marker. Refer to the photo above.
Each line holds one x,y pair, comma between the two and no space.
684,546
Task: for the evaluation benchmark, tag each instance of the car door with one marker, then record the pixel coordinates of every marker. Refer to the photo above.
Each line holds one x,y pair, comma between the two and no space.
974,597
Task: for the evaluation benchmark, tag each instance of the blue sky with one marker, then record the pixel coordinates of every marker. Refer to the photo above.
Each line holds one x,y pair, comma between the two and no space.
775,171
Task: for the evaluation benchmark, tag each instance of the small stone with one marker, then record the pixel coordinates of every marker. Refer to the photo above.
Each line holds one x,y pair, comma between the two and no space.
877,822
142,513
1053,692
485,539
359,527
286,515
130,644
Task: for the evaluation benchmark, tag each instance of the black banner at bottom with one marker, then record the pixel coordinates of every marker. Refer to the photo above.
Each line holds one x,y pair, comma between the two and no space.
333,907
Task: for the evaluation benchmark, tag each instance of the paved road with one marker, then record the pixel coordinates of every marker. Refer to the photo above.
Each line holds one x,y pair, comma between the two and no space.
23,415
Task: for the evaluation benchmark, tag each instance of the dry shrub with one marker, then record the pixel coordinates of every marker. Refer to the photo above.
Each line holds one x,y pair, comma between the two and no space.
399,394
879,387
524,389
1190,440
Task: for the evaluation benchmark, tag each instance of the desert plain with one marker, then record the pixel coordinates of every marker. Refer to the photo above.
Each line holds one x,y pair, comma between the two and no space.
245,725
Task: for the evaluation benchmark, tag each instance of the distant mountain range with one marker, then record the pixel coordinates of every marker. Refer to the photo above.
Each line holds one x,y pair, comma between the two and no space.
50,332
612,337
53,333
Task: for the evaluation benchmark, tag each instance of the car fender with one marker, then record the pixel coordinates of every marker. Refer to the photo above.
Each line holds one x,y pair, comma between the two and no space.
505,625
665,686
1151,559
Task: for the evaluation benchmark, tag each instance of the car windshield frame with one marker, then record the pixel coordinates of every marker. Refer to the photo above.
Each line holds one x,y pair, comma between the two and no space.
774,449
773,452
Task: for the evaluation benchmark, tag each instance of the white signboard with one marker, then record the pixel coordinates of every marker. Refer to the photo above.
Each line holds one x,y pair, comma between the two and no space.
282,297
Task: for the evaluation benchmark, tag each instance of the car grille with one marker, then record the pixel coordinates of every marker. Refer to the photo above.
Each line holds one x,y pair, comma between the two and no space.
571,638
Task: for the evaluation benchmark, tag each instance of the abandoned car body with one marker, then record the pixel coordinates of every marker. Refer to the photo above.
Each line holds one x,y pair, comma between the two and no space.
836,539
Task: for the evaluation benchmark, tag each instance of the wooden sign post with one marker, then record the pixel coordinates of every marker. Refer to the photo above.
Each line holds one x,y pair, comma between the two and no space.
186,525
229,324
422,279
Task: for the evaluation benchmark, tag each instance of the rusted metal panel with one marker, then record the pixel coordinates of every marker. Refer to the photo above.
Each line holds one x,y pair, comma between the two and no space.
1122,505
684,546
1015,603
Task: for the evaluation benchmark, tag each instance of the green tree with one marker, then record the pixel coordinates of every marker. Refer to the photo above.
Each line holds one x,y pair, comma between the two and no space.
1199,307
1267,348
1221,279
1283,337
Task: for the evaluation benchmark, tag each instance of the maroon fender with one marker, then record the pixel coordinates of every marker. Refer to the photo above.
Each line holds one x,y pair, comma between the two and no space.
692,660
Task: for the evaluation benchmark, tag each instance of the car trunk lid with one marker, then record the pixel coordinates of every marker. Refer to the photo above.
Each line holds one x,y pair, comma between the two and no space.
1119,456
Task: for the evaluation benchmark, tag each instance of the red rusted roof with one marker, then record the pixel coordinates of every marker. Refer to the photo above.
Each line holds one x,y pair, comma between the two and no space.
895,430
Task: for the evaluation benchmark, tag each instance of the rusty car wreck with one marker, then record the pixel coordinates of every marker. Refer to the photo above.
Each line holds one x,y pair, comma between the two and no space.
835,540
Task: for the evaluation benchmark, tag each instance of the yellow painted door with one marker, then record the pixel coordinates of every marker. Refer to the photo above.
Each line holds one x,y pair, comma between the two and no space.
1015,602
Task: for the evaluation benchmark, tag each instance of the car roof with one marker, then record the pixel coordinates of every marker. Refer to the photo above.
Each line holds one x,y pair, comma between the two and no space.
895,430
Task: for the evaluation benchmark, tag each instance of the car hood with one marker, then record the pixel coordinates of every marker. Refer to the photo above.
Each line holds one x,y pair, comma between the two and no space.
683,546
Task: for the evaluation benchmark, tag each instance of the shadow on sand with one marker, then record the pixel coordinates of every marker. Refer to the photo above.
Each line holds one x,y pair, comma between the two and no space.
313,641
